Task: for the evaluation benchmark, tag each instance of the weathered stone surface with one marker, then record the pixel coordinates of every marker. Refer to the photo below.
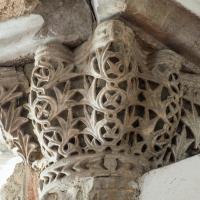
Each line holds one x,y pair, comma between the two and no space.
15,8
16,128
21,185
69,21
111,188
13,190
103,114
160,18
113,108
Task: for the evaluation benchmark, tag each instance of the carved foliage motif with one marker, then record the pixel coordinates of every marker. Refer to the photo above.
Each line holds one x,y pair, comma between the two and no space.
115,113
116,110
14,123
186,141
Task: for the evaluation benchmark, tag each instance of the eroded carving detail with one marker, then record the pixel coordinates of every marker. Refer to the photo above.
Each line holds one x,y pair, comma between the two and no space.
14,124
187,138
112,108
114,114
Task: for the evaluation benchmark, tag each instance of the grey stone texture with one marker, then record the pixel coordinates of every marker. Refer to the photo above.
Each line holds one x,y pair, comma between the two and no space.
102,188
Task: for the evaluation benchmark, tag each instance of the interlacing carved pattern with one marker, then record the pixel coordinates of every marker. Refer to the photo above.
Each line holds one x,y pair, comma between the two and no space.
141,101
51,111
14,124
112,107
186,141
115,114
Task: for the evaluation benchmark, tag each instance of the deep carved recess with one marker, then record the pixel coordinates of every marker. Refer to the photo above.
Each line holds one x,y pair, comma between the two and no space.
110,108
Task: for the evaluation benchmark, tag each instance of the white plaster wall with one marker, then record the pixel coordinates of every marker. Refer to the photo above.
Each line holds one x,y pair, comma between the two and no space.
192,5
8,161
179,181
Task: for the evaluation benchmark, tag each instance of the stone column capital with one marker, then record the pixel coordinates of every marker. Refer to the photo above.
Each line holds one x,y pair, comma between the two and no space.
111,111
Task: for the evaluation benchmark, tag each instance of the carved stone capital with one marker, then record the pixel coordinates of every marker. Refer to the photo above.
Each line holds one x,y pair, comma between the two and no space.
111,108
14,124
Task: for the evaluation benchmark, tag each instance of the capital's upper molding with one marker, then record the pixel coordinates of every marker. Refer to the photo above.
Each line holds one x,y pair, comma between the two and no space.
159,18
168,21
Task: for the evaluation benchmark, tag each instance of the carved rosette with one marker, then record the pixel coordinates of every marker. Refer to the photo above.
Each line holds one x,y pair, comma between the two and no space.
113,113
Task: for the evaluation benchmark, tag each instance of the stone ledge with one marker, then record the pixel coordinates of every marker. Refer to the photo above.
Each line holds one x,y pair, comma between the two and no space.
168,21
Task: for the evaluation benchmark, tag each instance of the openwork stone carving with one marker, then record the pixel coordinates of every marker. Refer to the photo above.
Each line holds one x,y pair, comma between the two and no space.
14,124
187,139
113,112
102,114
